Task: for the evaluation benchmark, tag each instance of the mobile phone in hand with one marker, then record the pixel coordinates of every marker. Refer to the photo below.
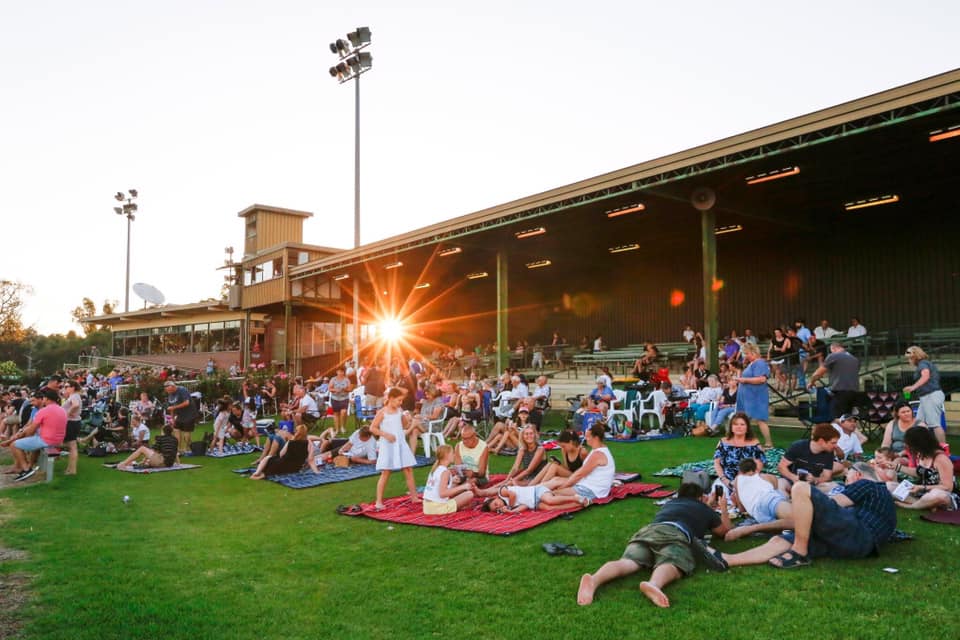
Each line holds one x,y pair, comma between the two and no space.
718,491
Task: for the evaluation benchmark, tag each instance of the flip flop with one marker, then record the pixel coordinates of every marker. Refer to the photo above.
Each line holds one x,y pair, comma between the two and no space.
573,550
790,559
554,548
343,509
355,508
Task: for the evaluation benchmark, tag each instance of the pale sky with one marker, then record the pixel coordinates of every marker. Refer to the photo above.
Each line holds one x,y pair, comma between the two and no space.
207,107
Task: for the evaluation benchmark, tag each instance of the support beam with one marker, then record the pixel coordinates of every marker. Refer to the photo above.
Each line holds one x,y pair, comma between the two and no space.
503,345
708,242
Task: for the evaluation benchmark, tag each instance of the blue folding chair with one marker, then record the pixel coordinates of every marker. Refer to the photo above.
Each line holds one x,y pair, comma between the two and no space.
362,414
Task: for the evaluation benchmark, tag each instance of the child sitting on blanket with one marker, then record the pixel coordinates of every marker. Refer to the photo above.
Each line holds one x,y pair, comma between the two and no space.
442,495
164,454
139,432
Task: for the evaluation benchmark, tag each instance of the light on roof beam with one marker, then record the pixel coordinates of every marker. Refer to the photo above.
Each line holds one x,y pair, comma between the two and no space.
422,285
871,202
529,233
477,275
622,211
773,175
943,134
393,265
730,228
624,247
449,251
539,263
342,276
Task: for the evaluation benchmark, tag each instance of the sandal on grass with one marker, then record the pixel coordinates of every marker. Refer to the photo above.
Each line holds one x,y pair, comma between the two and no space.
573,550
790,559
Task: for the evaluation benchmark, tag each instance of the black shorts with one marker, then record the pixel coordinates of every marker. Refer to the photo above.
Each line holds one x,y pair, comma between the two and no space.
73,430
339,405
309,419
185,424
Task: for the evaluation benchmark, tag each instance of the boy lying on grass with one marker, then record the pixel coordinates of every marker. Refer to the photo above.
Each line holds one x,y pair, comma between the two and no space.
665,545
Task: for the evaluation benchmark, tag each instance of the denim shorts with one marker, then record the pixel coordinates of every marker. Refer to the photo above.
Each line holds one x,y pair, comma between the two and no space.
766,509
584,492
30,443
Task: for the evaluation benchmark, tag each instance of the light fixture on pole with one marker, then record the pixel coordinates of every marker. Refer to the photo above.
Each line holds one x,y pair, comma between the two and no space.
354,62
128,208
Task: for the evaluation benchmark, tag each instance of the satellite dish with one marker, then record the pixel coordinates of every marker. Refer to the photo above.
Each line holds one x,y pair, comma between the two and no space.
149,293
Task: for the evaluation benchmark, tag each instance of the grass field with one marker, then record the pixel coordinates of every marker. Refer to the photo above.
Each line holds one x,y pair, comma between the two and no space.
208,554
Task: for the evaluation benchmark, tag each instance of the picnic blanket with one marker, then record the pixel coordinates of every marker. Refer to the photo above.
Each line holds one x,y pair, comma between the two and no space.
400,510
942,517
773,459
176,467
645,438
233,450
330,474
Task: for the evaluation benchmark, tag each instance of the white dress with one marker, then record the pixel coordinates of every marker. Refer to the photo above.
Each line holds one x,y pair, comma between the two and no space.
394,456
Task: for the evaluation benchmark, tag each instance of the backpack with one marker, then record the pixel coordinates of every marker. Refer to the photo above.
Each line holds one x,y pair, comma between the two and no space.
697,476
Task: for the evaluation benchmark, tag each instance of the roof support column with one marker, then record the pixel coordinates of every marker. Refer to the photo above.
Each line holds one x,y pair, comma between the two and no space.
287,309
708,242
503,345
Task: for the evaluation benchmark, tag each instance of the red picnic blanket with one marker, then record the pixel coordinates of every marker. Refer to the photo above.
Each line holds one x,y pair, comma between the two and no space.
401,510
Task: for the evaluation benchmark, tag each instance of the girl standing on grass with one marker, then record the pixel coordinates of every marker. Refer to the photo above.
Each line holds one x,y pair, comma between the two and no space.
394,453
221,424
442,495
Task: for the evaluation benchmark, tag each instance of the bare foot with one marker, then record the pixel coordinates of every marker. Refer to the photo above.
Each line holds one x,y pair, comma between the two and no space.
585,592
654,594
416,501
379,506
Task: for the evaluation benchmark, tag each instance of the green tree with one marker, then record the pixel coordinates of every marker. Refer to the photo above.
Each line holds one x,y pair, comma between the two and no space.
88,309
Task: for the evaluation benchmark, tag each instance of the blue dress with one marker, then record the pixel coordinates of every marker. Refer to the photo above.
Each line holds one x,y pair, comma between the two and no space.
754,399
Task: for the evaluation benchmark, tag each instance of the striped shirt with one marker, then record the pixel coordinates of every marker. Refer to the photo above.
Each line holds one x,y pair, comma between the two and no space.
167,446
874,508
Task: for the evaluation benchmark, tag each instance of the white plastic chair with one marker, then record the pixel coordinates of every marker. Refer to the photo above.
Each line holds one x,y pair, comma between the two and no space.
647,406
434,431
626,412
504,407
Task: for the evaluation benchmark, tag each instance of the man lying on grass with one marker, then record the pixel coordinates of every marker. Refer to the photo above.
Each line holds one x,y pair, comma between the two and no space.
666,545
850,524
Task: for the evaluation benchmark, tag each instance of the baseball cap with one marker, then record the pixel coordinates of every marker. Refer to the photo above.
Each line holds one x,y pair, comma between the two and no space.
848,416
169,383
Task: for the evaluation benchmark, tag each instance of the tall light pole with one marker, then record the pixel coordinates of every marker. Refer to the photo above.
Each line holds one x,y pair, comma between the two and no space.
128,208
354,62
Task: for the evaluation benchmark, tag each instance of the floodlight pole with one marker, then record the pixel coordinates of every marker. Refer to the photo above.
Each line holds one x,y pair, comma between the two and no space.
356,217
128,209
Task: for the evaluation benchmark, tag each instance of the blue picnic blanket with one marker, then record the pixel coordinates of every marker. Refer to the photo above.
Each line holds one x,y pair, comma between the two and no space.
237,449
330,474
176,467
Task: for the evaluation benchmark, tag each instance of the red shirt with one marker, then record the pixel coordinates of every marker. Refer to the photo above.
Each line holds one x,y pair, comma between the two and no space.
52,423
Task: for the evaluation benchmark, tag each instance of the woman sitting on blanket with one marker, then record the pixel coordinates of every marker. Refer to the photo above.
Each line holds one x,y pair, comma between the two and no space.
531,458
290,460
572,455
243,422
590,482
739,443
164,454
442,495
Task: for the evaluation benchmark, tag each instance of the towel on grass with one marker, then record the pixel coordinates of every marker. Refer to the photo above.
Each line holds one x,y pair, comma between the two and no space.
233,450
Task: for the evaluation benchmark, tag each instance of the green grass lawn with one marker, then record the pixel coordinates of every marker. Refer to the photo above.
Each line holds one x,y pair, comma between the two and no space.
209,554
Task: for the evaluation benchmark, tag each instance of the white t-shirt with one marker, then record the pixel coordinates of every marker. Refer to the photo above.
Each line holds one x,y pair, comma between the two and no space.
856,331
848,442
361,449
432,490
520,391
141,432
310,404
751,489
597,345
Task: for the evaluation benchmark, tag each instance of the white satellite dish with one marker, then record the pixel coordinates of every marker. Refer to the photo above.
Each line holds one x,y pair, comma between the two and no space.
149,293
